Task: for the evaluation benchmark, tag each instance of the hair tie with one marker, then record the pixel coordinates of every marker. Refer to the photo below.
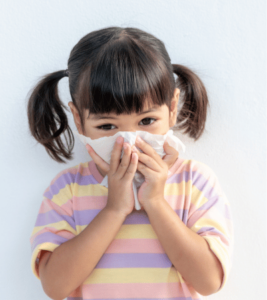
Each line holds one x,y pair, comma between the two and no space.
66,73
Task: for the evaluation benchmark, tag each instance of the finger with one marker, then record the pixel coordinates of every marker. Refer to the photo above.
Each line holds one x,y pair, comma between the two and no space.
97,159
124,161
116,154
134,149
151,152
129,174
149,162
144,158
147,172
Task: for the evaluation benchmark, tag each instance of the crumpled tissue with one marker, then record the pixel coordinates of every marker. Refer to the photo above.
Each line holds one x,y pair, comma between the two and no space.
104,146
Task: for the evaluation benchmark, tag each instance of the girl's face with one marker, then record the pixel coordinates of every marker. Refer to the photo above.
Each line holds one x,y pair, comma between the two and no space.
153,119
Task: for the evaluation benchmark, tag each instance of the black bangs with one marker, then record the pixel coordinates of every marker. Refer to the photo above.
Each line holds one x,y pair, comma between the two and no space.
124,77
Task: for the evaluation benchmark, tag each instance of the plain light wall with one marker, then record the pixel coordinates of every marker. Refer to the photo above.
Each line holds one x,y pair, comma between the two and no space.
224,42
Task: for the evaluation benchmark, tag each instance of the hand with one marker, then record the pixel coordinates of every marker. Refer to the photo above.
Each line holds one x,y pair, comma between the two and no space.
120,177
155,169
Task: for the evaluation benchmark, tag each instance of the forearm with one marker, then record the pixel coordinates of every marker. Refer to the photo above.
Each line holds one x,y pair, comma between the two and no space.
73,261
188,252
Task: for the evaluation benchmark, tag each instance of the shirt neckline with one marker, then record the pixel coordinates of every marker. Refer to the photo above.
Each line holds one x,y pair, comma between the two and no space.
99,178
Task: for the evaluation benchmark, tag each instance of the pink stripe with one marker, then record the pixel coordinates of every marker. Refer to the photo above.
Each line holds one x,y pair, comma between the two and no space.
184,165
99,202
65,209
89,202
77,293
192,209
176,166
95,172
64,233
84,170
198,214
138,290
178,201
135,246
179,166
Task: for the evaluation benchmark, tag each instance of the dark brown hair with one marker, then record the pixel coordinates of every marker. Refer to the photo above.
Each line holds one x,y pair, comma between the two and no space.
114,70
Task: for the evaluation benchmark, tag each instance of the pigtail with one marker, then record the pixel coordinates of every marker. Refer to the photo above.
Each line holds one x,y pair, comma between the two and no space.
193,113
45,113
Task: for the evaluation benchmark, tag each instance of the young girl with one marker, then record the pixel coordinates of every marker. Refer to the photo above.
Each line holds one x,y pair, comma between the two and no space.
88,241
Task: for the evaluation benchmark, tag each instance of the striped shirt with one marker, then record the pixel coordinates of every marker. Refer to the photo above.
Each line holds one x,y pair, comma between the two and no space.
135,265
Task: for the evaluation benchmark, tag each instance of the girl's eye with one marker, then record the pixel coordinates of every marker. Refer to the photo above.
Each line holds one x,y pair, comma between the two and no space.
104,127
148,119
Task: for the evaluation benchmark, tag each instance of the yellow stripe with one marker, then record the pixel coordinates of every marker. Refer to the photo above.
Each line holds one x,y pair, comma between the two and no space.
186,189
63,195
84,164
197,197
133,275
132,231
74,189
186,162
176,189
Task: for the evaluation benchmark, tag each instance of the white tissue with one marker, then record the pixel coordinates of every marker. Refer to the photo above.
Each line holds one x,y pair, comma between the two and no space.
104,146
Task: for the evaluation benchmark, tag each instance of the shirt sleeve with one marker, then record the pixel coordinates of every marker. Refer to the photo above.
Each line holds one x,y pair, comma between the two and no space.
210,216
55,220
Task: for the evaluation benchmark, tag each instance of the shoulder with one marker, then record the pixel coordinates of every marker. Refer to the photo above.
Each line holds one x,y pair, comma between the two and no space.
72,173
192,169
63,183
201,175
193,166
202,168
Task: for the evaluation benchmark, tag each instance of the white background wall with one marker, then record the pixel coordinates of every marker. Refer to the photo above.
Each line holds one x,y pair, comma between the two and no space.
224,42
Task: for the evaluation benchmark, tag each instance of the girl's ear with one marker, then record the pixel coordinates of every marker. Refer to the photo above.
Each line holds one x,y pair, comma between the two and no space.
174,104
76,117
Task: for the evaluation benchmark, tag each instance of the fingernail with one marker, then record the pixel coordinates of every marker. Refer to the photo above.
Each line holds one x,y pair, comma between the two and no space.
88,147
134,148
138,139
119,139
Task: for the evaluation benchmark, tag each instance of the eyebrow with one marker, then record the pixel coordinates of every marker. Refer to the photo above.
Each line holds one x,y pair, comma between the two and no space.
99,117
